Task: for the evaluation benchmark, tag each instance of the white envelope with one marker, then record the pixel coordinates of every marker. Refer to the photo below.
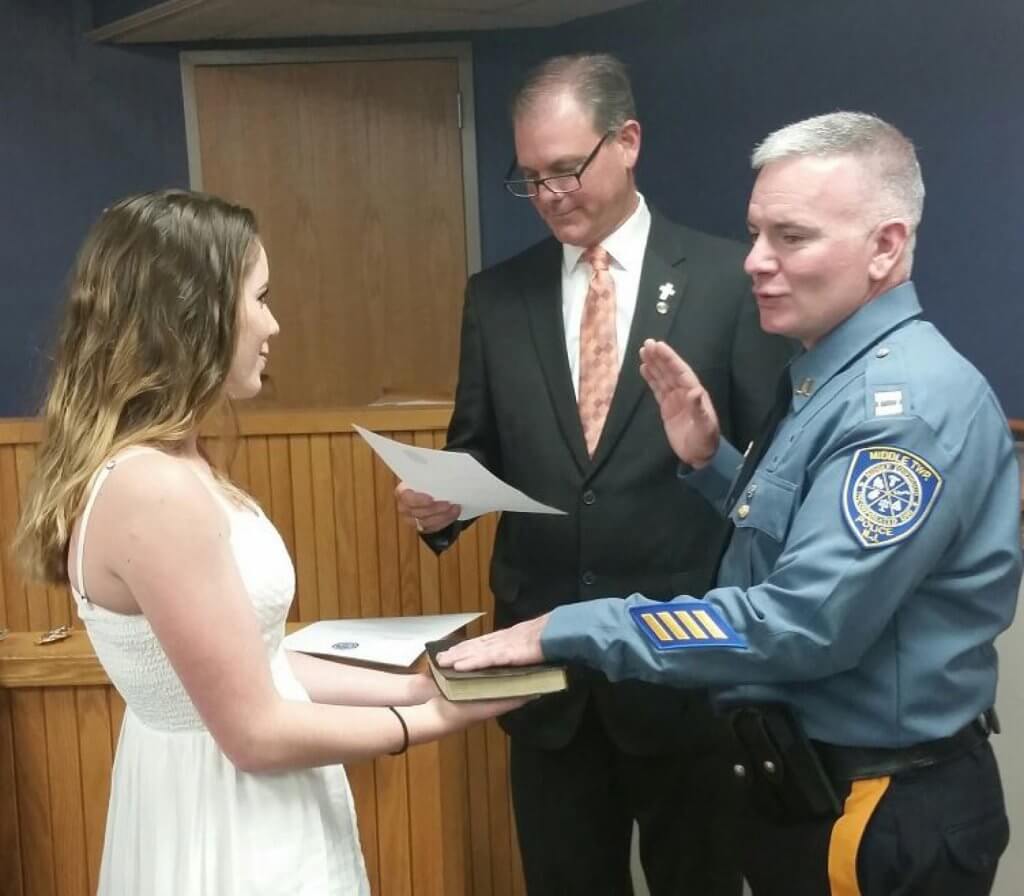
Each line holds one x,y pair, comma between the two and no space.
389,640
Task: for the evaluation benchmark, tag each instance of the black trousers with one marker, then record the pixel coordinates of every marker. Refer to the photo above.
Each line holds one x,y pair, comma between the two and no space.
934,831
575,808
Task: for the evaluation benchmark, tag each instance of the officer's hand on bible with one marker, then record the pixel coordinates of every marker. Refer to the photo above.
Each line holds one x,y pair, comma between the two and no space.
516,646
687,413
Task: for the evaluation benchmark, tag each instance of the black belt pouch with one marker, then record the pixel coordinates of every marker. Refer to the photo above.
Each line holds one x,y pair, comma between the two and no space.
778,767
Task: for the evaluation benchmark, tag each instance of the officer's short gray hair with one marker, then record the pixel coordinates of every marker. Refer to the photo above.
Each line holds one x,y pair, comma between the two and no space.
598,81
886,152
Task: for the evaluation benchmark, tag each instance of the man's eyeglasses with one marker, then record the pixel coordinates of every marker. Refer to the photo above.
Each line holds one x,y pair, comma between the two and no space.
527,188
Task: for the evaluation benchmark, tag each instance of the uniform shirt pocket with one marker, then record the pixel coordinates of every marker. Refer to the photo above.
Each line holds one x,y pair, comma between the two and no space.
766,504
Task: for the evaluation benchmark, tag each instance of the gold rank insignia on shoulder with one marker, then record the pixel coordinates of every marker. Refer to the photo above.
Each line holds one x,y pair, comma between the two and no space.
685,623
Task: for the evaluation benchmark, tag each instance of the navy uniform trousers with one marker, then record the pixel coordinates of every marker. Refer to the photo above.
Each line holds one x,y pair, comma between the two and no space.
686,847
932,831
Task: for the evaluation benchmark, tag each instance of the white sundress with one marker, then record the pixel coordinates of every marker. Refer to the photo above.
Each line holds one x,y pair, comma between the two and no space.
183,820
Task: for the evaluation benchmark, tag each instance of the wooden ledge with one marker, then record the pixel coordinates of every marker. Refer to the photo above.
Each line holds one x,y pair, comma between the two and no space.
68,663
26,664
383,418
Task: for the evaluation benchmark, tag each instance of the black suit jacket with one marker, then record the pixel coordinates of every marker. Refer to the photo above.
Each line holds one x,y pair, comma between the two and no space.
632,525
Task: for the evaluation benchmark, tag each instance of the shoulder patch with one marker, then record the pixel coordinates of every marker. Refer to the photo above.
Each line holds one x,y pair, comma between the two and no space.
888,494
685,623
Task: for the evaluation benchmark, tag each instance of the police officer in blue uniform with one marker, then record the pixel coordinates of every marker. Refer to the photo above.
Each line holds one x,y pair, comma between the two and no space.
875,554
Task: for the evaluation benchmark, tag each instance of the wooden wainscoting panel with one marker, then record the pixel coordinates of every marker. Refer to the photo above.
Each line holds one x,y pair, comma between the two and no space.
10,838
345,531
323,487
67,818
393,825
281,511
30,762
237,463
362,778
455,830
367,536
387,539
96,755
305,532
14,609
480,858
259,471
497,802
426,842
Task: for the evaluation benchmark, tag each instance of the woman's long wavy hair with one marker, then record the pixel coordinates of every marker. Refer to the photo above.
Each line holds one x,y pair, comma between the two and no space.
143,353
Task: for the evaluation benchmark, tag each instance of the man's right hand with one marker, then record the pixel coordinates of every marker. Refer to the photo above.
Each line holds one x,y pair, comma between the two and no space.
687,413
423,512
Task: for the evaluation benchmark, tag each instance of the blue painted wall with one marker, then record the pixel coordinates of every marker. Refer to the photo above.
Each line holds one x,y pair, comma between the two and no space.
81,125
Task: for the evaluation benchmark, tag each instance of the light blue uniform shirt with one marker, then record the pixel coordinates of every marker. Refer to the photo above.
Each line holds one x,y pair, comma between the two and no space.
876,554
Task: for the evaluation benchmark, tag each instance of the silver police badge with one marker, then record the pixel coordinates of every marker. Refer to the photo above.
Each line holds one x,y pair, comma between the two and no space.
888,494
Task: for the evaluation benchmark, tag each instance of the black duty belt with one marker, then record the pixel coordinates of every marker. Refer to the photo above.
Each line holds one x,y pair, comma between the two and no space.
775,765
791,778
852,763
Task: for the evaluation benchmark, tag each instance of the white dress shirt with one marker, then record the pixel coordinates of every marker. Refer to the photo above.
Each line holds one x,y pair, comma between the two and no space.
626,247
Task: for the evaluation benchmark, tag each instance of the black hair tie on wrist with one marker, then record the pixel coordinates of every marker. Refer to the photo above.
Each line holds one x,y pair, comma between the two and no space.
405,733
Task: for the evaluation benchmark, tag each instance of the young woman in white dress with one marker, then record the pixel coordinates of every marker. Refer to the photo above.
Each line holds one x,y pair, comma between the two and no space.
228,778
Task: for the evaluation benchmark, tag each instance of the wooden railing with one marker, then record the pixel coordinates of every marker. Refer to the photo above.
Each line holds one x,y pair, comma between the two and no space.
434,821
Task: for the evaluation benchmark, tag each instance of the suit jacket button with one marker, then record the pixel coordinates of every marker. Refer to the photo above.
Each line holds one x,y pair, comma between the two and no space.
589,578
589,497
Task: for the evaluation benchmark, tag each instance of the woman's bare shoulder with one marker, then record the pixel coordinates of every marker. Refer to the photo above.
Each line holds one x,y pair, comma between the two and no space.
156,484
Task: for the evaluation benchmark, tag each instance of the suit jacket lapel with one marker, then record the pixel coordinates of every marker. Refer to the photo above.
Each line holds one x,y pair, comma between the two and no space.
543,295
652,319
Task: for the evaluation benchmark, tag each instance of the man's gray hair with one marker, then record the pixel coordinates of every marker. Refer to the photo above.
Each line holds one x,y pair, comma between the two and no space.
598,81
886,152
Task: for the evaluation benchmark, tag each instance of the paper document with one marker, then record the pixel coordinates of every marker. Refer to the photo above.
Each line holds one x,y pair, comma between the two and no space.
451,476
393,641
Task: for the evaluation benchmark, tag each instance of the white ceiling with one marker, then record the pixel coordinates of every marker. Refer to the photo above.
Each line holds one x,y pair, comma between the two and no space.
193,20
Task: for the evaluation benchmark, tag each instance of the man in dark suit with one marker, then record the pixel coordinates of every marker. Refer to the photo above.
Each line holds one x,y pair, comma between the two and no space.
550,399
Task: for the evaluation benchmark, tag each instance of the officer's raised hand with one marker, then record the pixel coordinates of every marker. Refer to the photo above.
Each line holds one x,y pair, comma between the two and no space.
691,423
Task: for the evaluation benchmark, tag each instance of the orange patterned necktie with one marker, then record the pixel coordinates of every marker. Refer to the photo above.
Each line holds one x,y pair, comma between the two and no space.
599,356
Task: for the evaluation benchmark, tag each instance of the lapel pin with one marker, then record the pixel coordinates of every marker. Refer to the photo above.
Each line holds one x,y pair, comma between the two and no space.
665,292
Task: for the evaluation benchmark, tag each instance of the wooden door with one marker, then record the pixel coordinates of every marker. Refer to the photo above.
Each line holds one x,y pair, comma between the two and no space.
355,171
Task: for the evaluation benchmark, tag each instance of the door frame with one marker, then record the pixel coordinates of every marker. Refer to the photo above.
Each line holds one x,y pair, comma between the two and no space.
462,52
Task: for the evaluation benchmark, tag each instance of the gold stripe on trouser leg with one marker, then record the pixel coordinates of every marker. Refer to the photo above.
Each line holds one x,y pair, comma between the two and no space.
847,833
